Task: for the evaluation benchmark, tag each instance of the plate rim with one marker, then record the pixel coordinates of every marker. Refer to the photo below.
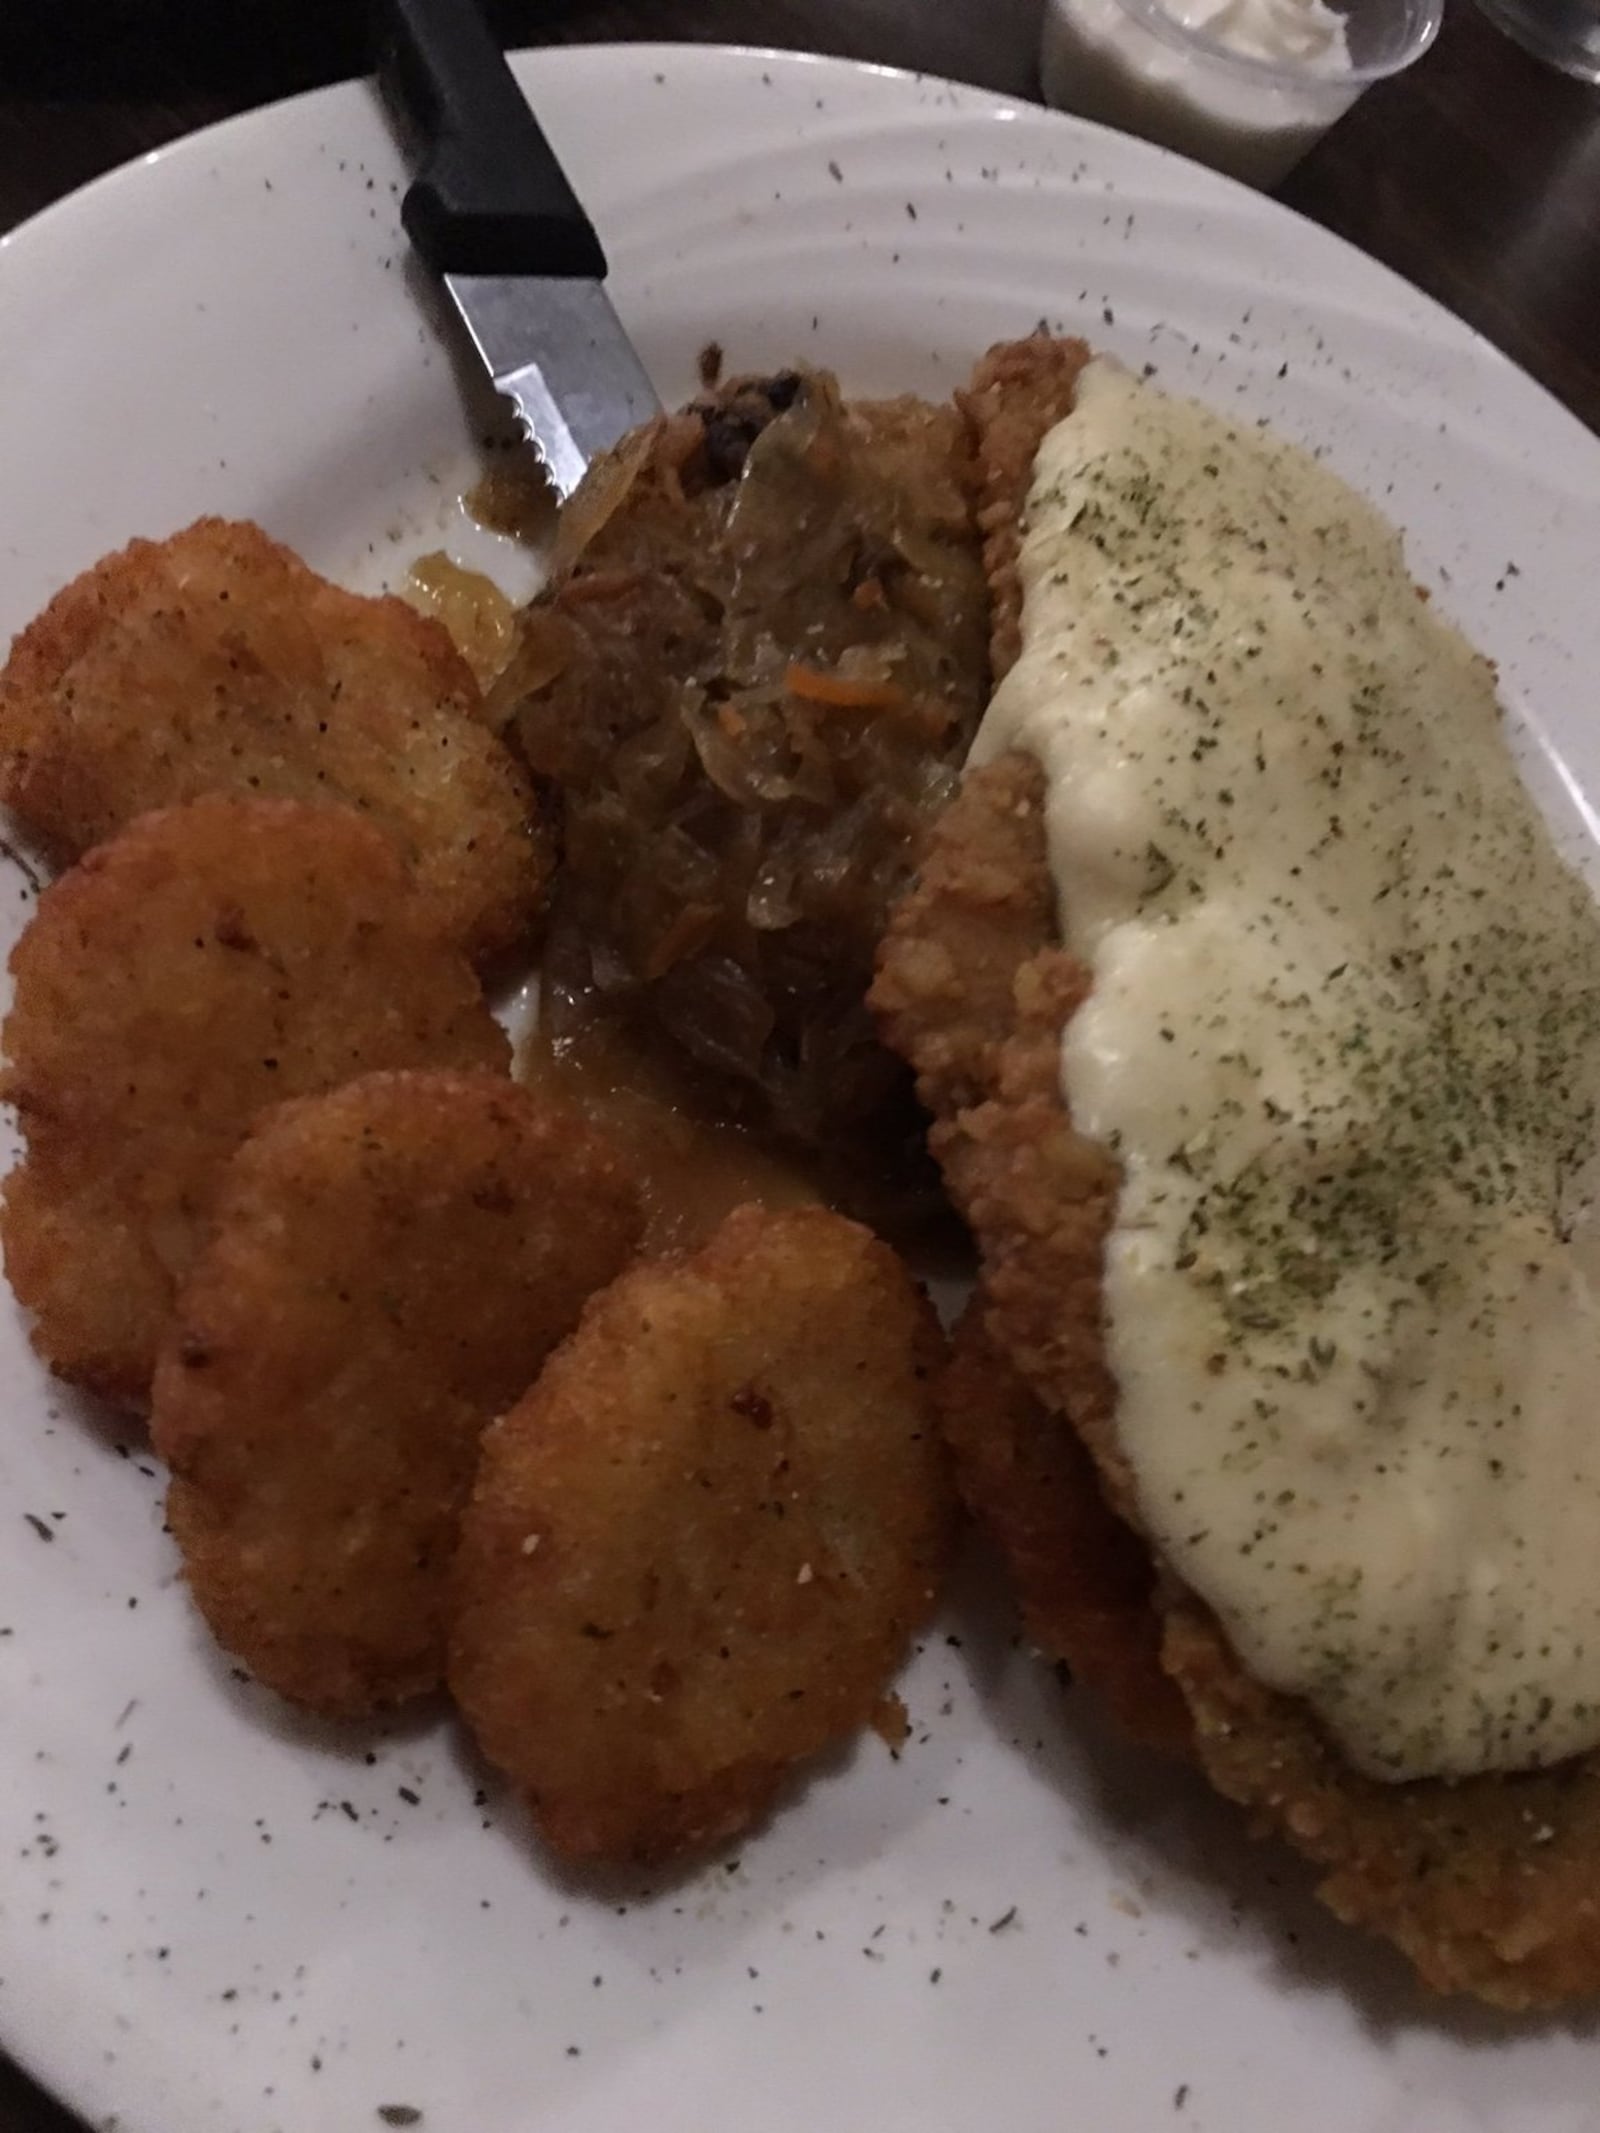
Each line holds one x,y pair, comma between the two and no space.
58,215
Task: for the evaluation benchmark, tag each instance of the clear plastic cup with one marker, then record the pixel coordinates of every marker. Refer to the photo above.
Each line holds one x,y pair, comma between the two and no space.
1134,65
1563,33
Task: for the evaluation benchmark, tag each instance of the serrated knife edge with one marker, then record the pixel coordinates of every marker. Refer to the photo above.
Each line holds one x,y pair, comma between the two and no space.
557,350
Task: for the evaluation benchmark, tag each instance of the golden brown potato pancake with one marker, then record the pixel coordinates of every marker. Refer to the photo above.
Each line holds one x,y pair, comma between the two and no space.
209,961
216,661
389,1268
697,1550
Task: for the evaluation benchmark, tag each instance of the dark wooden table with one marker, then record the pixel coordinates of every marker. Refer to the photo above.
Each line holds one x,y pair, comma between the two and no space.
1477,175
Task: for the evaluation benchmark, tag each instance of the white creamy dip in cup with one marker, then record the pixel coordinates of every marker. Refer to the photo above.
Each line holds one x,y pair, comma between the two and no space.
1247,86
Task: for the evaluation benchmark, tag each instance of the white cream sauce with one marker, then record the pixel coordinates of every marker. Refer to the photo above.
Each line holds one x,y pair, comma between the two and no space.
1302,31
1345,1037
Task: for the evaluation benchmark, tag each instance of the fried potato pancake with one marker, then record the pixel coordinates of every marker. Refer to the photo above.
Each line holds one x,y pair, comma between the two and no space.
209,961
1486,1884
696,1551
389,1267
1082,1579
216,661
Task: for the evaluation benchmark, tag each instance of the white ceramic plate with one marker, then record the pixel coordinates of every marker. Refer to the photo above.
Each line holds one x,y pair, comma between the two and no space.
217,1919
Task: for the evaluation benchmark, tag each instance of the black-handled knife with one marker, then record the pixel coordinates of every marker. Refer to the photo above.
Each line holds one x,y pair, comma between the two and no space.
491,213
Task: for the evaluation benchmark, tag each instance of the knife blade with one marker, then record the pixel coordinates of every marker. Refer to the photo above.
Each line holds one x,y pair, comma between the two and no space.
491,213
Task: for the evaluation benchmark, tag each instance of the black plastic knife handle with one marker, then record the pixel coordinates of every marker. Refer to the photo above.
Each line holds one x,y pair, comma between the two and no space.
489,196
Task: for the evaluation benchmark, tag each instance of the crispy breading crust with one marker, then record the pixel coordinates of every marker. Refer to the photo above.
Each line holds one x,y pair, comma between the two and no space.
216,661
389,1268
975,933
1487,1884
979,912
209,961
1019,390
697,1549
1083,1581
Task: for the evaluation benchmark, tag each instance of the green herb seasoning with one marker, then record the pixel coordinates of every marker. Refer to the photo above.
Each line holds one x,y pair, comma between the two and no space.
1345,1036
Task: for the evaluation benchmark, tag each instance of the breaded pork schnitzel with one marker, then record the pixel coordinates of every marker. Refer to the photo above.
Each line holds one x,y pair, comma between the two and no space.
1083,1581
1489,1882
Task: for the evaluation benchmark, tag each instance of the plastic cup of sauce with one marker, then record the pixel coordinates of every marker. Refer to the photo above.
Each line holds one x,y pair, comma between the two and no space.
1244,85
